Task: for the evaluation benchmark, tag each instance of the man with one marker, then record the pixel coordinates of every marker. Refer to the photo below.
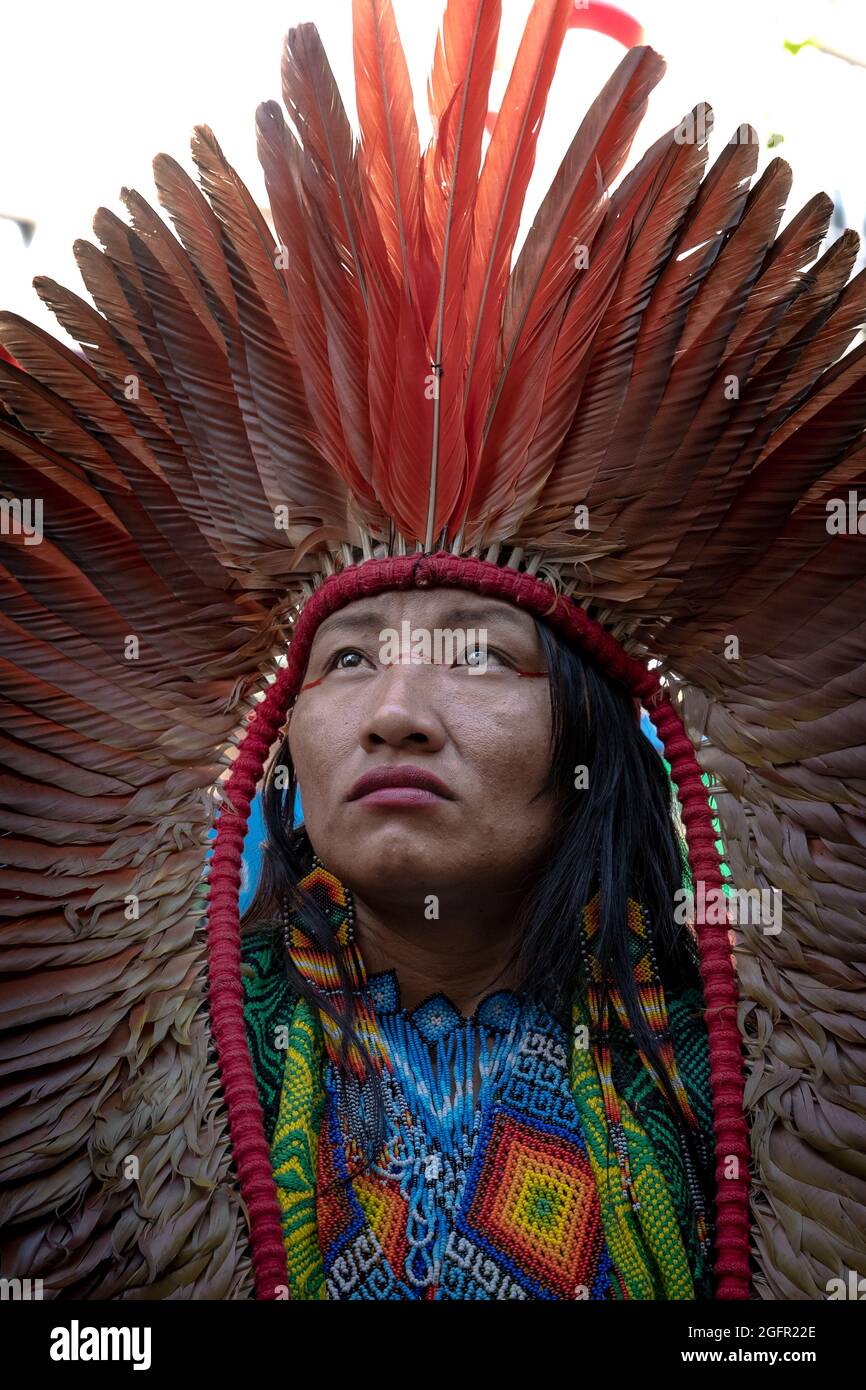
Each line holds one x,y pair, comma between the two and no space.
636,446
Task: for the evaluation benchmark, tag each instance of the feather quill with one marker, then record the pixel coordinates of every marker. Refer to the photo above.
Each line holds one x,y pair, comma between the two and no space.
502,185
462,66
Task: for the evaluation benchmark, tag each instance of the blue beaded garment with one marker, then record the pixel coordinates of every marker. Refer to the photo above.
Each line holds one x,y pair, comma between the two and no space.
485,1188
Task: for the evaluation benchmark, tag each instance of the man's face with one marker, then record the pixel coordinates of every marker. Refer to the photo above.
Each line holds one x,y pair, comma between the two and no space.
384,701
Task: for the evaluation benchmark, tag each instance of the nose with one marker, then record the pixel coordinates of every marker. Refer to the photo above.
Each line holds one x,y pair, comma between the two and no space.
402,710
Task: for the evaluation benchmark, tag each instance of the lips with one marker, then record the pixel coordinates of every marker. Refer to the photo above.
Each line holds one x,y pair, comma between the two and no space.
417,778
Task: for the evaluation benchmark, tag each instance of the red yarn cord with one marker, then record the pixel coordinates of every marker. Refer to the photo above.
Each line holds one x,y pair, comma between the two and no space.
246,1119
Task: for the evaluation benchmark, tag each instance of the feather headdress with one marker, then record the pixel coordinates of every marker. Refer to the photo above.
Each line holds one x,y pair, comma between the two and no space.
261,430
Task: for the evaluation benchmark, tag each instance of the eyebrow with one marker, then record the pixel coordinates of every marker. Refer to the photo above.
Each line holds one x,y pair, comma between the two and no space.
472,617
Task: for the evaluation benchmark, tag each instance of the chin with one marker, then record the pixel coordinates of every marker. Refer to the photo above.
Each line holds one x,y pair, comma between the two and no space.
396,854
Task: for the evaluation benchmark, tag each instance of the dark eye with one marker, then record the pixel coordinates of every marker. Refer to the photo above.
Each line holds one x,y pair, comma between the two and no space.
475,655
333,664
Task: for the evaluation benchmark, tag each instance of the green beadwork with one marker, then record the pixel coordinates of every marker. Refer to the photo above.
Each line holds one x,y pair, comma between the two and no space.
655,1248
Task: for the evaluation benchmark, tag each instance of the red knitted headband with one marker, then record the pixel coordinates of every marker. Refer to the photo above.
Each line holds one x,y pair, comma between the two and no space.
246,1120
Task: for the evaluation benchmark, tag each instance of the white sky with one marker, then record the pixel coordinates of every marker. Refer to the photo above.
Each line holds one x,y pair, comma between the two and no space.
92,91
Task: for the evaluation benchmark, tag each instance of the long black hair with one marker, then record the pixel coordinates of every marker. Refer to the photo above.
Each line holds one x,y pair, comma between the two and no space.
615,836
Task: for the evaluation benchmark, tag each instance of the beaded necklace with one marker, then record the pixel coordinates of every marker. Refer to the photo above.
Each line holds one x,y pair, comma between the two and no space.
434,1109
477,1195
501,1189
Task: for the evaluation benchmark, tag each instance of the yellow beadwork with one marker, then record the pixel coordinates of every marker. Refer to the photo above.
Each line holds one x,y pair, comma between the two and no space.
294,1152
645,1246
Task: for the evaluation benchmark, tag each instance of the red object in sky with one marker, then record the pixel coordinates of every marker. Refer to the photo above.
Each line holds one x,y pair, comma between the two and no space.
602,19
607,19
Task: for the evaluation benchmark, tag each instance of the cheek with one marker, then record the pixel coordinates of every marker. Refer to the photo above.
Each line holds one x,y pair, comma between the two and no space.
318,752
508,755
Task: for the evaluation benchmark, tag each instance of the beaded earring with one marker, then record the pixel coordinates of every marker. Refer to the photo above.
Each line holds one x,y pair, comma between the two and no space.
347,932
321,965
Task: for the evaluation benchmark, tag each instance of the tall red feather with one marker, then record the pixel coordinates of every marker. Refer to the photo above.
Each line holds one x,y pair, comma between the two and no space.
502,186
463,63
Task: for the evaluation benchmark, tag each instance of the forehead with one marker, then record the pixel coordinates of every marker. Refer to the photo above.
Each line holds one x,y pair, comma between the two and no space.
427,608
